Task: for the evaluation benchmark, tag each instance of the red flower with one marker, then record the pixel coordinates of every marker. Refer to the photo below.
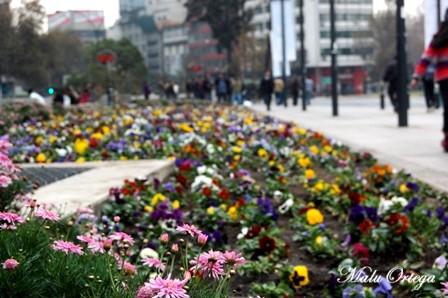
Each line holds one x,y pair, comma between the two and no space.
365,226
400,221
360,251
267,244
182,180
93,143
206,192
253,232
356,198
224,194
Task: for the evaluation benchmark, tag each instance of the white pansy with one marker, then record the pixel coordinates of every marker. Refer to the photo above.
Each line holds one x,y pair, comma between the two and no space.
286,206
384,206
61,152
148,253
278,195
400,201
243,233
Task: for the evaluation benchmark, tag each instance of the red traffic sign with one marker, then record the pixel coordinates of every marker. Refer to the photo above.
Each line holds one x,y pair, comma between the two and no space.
196,68
106,57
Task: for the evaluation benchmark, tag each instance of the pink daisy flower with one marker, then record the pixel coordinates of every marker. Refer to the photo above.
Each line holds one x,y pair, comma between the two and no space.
45,214
202,239
10,264
122,237
233,258
4,145
67,247
209,264
85,238
8,220
192,230
129,269
99,246
5,181
163,288
153,263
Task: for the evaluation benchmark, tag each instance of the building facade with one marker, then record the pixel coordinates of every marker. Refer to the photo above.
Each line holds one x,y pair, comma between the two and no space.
167,12
87,25
175,49
354,40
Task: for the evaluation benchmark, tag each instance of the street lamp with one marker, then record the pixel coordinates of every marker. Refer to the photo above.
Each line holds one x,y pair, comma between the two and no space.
403,95
282,8
302,55
334,62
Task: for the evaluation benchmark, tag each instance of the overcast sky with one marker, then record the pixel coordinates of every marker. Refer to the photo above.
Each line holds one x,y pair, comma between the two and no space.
110,7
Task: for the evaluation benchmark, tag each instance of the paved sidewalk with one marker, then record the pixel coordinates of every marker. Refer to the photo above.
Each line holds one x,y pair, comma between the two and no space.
90,188
364,127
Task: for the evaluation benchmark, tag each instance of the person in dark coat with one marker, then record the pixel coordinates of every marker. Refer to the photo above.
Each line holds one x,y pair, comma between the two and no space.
391,79
295,86
266,89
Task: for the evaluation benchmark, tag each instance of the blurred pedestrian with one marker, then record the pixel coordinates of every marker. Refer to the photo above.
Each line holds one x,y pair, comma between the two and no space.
266,89
189,88
437,54
84,97
428,88
36,97
222,86
279,89
309,90
295,86
198,89
237,88
146,90
207,88
391,79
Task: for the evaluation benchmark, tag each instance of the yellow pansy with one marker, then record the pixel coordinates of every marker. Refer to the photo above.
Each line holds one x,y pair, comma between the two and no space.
233,213
262,153
310,174
157,113
314,149
223,207
89,130
185,127
158,197
175,204
240,143
128,120
404,188
148,209
81,146
328,148
304,162
335,189
97,136
53,139
299,277
210,210
237,157
300,131
105,129
137,144
39,140
319,240
237,149
314,216
320,186
281,168
248,120
41,158
123,158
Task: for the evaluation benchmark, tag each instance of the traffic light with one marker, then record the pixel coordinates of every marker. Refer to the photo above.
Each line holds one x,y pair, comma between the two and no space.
50,91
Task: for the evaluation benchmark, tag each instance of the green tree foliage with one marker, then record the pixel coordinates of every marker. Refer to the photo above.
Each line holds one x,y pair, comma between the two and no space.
126,75
227,18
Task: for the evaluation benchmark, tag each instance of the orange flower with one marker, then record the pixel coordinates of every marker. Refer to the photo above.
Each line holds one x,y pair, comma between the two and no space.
400,221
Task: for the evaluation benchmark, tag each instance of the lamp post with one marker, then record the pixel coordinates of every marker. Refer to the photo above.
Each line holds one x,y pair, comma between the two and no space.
302,55
439,12
282,3
334,62
403,95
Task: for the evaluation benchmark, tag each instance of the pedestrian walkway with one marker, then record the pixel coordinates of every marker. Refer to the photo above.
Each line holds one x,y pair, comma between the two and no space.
364,127
90,188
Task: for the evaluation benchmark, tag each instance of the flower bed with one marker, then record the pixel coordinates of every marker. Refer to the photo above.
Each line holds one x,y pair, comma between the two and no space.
302,209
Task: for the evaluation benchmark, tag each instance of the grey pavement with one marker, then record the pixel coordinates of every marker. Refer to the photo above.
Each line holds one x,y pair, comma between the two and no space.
90,188
364,127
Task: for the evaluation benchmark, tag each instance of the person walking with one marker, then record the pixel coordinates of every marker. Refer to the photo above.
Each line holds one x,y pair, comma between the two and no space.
309,90
437,54
391,79
222,86
266,89
428,88
295,86
279,89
